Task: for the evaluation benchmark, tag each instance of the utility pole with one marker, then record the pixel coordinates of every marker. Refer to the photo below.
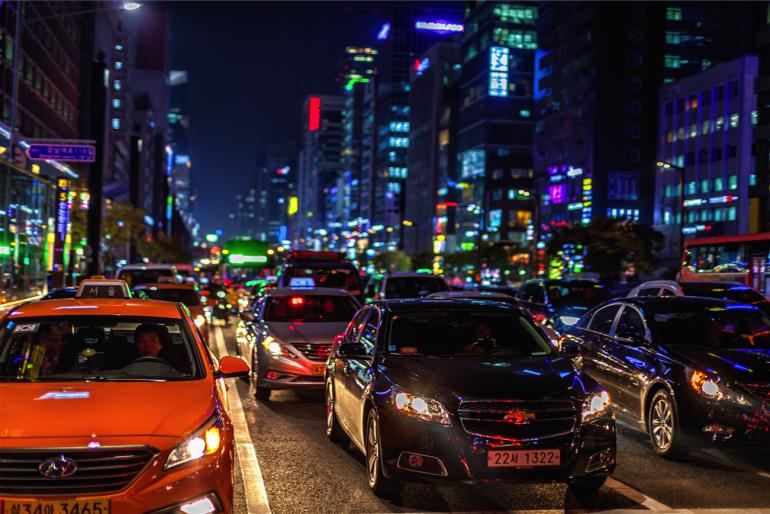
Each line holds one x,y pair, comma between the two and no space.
100,83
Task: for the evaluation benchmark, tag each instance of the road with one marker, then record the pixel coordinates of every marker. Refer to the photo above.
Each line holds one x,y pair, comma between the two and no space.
295,469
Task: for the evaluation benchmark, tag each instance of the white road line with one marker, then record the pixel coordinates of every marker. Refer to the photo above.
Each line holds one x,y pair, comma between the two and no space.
637,496
253,484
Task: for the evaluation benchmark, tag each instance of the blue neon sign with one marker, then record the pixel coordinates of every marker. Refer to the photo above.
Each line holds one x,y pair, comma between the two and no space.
499,62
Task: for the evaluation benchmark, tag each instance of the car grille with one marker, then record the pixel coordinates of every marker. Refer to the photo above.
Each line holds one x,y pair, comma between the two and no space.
524,421
314,351
103,470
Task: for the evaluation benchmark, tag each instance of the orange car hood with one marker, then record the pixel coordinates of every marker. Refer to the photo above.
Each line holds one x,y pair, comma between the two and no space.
76,409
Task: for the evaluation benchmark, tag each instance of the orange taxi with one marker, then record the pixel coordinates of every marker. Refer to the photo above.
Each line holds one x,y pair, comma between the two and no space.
112,405
188,294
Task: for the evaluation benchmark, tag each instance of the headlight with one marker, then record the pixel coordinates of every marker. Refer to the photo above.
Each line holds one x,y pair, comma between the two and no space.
568,321
705,385
199,320
204,441
425,409
596,406
275,348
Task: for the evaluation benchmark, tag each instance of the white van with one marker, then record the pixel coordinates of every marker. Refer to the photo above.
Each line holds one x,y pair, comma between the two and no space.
136,274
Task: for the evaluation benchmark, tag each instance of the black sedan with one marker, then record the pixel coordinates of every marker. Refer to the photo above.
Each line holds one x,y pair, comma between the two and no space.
467,391
686,370
559,304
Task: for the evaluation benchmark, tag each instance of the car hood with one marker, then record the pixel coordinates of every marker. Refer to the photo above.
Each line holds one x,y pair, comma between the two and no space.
299,332
733,364
488,378
70,409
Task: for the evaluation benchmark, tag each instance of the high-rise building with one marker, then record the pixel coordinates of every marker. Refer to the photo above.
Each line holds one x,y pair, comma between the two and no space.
321,164
276,174
760,192
431,203
706,126
242,221
409,30
494,185
182,186
599,68
358,67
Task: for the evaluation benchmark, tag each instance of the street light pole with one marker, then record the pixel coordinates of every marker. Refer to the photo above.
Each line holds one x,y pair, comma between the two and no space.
680,170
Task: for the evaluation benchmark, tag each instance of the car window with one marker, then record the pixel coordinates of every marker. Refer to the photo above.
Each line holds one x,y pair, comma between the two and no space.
186,296
630,324
413,287
356,326
533,293
571,293
667,292
101,348
313,308
649,291
602,320
335,278
369,333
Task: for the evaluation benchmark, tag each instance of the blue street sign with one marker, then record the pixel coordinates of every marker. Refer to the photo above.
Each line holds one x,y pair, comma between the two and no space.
62,152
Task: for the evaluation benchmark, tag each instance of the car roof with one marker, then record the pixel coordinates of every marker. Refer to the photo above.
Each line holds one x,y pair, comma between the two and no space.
411,274
166,285
98,307
320,264
423,304
140,266
642,301
473,295
713,285
310,291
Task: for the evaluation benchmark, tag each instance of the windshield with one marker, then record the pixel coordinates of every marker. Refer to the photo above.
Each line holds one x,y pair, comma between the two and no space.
466,333
413,287
135,277
334,278
576,294
733,326
97,348
186,296
314,308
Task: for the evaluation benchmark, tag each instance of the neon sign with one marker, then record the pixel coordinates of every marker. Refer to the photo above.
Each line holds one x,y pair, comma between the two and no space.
314,114
439,26
384,32
420,65
499,59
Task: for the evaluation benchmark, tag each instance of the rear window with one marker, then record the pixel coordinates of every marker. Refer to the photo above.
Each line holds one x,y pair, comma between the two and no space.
413,287
574,293
313,308
146,276
186,296
335,278
99,348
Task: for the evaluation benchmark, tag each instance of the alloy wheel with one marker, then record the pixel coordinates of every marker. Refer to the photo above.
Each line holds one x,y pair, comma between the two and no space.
662,423
372,449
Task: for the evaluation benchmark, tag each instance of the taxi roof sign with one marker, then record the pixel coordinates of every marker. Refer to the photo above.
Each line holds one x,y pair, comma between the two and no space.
103,288
302,283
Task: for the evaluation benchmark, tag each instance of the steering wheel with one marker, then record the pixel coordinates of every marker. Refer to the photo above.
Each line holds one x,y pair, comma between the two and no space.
150,358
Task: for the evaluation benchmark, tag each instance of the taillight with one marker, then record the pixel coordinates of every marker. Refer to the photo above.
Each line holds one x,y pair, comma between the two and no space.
539,317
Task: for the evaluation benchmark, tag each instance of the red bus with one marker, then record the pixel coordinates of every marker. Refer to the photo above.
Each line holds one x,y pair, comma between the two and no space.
742,258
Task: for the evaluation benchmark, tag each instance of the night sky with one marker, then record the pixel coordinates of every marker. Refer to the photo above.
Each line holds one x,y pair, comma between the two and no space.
250,66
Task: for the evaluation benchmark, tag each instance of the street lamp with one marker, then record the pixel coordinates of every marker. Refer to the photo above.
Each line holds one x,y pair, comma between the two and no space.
668,166
131,6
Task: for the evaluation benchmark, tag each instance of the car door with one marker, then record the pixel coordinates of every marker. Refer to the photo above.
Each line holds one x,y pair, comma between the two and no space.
359,372
341,368
593,345
633,362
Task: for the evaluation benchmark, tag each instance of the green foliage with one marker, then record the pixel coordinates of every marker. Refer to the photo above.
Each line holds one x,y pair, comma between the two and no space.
393,261
612,246
164,248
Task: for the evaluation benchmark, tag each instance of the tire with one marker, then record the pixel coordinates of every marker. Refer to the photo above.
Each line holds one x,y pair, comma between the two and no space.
663,426
381,485
260,393
334,431
587,487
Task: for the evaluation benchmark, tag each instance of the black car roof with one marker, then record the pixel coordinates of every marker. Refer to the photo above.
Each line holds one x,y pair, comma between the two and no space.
422,304
673,300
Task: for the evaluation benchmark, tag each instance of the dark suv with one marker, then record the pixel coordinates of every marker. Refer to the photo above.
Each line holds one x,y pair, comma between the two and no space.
325,269
467,391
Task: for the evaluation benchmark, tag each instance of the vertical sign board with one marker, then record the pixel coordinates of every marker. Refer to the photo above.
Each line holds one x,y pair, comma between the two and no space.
499,63
61,227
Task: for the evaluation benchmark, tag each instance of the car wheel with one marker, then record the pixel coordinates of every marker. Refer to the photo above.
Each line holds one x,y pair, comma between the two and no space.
587,487
334,431
663,426
381,485
260,393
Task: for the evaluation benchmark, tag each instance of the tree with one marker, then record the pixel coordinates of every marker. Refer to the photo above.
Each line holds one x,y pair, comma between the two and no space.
612,246
123,226
164,248
393,261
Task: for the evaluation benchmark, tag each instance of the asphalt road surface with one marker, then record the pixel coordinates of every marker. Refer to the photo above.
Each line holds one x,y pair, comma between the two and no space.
287,465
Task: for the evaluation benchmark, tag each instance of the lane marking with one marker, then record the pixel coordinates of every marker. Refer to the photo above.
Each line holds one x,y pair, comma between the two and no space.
253,483
635,495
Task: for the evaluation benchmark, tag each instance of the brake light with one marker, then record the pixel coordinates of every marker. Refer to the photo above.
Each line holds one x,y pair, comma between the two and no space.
539,317
297,300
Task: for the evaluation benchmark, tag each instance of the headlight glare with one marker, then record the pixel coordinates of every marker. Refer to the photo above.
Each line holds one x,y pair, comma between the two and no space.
425,409
275,348
199,320
204,441
596,406
568,321
705,385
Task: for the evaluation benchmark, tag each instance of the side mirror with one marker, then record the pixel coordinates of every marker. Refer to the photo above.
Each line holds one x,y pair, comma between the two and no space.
352,351
247,316
232,367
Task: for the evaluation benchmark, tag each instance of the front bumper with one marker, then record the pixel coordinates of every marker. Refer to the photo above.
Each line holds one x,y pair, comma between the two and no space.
155,489
276,372
726,421
589,451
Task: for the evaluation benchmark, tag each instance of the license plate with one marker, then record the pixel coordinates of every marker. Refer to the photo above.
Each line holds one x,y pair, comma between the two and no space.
523,458
99,506
318,369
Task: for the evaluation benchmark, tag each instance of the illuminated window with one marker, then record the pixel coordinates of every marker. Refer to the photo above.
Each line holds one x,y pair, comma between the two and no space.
523,39
116,123
705,127
693,130
672,61
719,123
116,103
705,215
118,65
754,117
119,48
673,38
731,213
753,179
734,119
718,185
704,185
673,14
398,142
691,217
117,85
667,217
718,214
732,182
399,126
692,187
